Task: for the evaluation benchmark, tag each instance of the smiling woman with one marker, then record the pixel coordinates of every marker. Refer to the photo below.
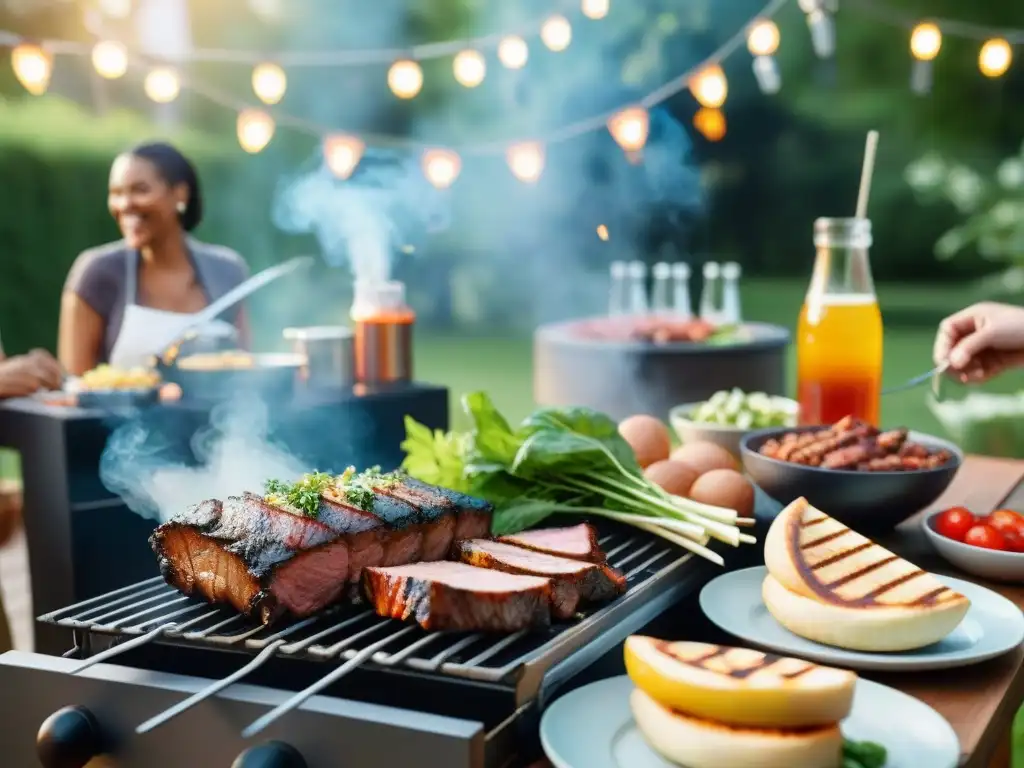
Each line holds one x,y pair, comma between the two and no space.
126,301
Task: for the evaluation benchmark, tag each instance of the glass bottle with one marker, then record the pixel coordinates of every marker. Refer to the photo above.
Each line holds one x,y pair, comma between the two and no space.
839,335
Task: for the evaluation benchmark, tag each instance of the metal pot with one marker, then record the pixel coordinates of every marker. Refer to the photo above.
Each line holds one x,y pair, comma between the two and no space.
330,362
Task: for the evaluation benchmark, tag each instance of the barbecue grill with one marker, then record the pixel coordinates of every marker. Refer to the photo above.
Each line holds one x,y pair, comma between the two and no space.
159,680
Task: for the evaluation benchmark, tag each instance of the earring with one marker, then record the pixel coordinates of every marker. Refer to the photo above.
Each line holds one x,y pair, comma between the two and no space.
181,207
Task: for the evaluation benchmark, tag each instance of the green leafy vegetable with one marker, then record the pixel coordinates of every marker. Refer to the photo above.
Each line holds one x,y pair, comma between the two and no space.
570,460
303,495
863,754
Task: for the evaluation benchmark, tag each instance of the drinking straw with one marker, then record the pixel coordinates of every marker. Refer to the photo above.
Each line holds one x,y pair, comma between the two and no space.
865,174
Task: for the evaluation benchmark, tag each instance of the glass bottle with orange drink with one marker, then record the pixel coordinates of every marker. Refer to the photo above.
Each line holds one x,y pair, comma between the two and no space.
839,336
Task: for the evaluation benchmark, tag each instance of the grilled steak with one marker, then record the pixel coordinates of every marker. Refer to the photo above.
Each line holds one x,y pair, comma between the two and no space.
458,597
578,542
259,559
264,560
572,581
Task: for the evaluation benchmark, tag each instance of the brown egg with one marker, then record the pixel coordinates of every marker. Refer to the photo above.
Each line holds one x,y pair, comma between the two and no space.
673,476
704,456
648,437
725,488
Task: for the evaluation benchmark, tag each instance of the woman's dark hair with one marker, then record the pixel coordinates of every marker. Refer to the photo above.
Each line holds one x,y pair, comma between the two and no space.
176,169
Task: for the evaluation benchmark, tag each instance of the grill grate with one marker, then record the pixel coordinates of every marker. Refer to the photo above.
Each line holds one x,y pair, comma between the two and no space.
153,610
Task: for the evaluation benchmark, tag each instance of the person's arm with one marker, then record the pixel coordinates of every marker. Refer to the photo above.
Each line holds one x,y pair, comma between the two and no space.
85,305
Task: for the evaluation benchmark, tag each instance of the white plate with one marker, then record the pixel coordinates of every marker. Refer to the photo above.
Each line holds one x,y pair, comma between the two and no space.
592,727
993,626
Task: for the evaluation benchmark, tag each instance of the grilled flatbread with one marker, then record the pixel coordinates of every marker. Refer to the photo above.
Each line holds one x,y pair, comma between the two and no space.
739,686
830,584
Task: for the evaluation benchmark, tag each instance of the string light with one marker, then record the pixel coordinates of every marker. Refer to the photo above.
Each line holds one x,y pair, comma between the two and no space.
162,85
342,154
255,130
469,68
602,232
709,87
269,82
595,9
526,161
821,26
405,79
441,167
33,67
995,57
925,43
110,59
513,52
762,42
710,122
556,33
116,9
630,128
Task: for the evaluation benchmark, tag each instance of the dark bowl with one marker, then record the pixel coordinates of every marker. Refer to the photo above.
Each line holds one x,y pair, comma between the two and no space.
868,502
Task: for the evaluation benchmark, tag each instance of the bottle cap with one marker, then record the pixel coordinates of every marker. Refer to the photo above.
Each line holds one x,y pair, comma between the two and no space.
711,270
618,270
662,270
637,269
680,270
731,270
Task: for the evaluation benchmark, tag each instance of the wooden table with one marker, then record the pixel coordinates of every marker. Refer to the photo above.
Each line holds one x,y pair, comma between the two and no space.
979,701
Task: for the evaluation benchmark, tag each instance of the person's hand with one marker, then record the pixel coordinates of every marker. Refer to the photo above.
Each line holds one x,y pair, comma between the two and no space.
25,374
981,341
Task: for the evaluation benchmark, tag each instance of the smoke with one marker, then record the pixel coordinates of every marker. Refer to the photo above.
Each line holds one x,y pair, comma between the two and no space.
159,471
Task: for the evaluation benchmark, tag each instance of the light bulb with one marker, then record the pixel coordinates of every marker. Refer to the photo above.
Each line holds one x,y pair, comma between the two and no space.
995,57
595,9
602,232
405,78
116,9
269,82
630,128
110,59
513,52
441,167
709,87
32,66
255,130
556,33
710,122
469,68
526,161
162,85
925,41
763,38
342,154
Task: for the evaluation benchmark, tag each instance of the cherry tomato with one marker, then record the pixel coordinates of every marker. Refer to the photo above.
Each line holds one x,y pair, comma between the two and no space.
954,523
985,536
1014,539
1004,520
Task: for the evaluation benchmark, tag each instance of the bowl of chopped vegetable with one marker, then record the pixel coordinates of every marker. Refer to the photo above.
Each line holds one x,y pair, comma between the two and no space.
728,415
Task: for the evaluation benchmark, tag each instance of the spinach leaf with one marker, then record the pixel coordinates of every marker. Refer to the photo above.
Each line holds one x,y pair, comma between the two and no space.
588,423
492,437
520,514
554,451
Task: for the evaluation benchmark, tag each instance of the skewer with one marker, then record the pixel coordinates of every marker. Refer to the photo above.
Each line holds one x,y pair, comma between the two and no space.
210,690
327,680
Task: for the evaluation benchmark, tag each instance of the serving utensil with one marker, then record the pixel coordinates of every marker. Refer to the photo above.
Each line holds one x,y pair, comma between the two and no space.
934,376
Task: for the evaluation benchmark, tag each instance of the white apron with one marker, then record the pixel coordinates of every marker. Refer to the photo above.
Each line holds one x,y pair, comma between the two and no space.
146,332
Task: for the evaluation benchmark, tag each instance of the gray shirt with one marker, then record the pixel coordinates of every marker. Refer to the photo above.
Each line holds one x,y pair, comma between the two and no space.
105,279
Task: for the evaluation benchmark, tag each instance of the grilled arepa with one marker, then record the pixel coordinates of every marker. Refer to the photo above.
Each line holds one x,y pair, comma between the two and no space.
739,686
829,584
696,743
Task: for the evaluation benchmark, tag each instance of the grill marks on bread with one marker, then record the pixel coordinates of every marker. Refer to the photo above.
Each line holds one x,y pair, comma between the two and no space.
843,567
739,663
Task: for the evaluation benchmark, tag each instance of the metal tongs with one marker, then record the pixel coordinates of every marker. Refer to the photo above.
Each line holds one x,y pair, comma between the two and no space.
934,376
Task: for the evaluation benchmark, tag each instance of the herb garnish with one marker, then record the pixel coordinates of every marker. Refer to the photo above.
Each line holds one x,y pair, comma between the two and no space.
863,754
302,495
358,488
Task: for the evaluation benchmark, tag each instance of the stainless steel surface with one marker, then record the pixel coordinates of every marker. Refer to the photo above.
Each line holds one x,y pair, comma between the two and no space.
924,378
383,352
328,353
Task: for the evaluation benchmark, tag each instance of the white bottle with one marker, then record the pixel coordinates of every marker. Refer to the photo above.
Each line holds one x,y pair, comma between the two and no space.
681,291
731,313
618,291
637,288
662,292
709,293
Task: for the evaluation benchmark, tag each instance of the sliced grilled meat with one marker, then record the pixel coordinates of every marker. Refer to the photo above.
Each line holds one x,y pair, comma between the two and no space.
257,558
473,515
573,582
578,542
451,596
